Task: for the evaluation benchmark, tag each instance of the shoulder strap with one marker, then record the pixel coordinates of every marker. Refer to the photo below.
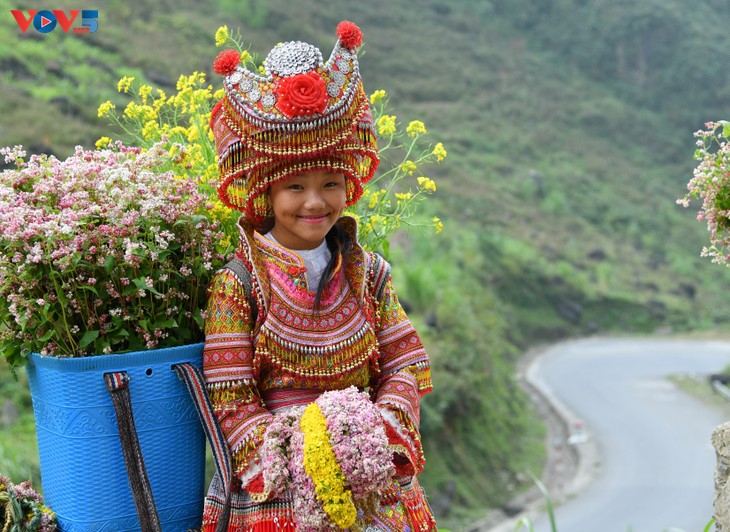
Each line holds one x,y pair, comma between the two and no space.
238,268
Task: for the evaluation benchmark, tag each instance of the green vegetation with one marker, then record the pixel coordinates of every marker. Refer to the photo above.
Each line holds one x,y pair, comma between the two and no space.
569,129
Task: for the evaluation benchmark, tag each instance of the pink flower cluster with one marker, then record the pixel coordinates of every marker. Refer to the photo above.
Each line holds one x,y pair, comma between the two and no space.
359,442
104,251
21,508
710,183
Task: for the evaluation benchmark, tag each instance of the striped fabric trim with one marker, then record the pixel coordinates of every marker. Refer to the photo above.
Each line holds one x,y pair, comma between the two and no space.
193,379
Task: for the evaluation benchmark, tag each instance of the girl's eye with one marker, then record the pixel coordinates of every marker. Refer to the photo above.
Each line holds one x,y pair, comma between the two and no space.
295,187
332,184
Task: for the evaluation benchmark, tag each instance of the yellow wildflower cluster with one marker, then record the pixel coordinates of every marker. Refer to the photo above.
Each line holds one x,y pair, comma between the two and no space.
416,127
408,167
221,36
386,125
183,120
439,152
321,465
377,96
427,183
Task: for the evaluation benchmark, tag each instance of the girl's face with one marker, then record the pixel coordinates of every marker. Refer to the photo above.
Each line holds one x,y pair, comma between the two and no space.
306,206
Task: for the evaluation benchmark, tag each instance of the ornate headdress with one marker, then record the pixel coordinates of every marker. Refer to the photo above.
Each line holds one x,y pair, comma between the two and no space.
302,115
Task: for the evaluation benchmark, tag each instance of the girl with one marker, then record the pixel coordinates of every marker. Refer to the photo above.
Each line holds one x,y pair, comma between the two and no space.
304,309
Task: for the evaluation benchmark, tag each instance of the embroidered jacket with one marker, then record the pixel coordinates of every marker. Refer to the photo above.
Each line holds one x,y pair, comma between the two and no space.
360,336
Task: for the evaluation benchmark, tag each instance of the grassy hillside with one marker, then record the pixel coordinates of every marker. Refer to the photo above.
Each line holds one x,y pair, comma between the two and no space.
569,130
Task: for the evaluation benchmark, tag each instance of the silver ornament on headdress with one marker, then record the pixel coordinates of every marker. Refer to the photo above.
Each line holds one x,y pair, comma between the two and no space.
343,66
291,58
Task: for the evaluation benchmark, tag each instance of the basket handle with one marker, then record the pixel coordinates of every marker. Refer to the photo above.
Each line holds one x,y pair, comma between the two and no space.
118,385
193,379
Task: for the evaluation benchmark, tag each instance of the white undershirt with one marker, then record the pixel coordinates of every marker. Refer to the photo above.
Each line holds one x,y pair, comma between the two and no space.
315,260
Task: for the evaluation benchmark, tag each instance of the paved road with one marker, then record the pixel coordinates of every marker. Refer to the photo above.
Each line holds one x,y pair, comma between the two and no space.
653,470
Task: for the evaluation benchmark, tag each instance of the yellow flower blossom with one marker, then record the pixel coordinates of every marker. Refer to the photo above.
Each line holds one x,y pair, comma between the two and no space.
386,125
438,224
246,56
143,113
221,36
262,70
416,127
378,95
151,130
439,152
144,92
403,196
427,183
103,142
124,84
321,465
219,94
105,108
408,167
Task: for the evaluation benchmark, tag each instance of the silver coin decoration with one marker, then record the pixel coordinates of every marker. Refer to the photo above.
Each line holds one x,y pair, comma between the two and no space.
333,89
343,66
291,58
338,78
268,100
254,95
235,77
246,85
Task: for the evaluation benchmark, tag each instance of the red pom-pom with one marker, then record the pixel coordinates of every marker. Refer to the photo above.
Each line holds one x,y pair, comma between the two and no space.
349,34
226,62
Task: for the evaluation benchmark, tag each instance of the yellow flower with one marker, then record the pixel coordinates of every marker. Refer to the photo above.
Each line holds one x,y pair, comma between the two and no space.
151,130
408,167
262,70
105,108
403,196
427,183
378,95
439,152
321,465
386,125
103,142
438,224
221,36
125,83
246,56
416,127
219,94
144,92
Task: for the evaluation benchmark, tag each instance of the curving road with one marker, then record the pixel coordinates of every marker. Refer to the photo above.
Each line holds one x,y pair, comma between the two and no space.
649,454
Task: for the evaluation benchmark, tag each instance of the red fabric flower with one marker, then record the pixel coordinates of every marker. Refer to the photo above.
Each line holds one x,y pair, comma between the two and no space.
302,95
226,62
349,34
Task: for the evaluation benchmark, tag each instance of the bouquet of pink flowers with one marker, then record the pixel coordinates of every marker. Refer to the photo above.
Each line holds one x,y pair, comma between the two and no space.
332,456
710,183
103,252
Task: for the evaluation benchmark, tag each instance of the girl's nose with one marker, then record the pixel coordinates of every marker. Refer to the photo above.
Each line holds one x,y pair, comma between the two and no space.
314,200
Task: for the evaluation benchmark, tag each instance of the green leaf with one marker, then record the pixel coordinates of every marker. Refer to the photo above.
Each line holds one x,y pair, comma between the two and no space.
87,338
109,263
141,284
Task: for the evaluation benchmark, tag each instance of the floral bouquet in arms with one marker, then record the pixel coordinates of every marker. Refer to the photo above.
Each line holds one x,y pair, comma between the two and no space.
711,184
103,252
332,456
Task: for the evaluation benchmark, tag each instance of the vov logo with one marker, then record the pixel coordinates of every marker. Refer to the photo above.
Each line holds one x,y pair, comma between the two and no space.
45,21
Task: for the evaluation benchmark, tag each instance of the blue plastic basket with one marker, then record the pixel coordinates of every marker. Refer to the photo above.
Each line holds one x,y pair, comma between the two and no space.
83,472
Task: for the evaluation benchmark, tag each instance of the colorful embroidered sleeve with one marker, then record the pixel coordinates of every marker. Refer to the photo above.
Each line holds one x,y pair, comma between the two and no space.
405,378
229,375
